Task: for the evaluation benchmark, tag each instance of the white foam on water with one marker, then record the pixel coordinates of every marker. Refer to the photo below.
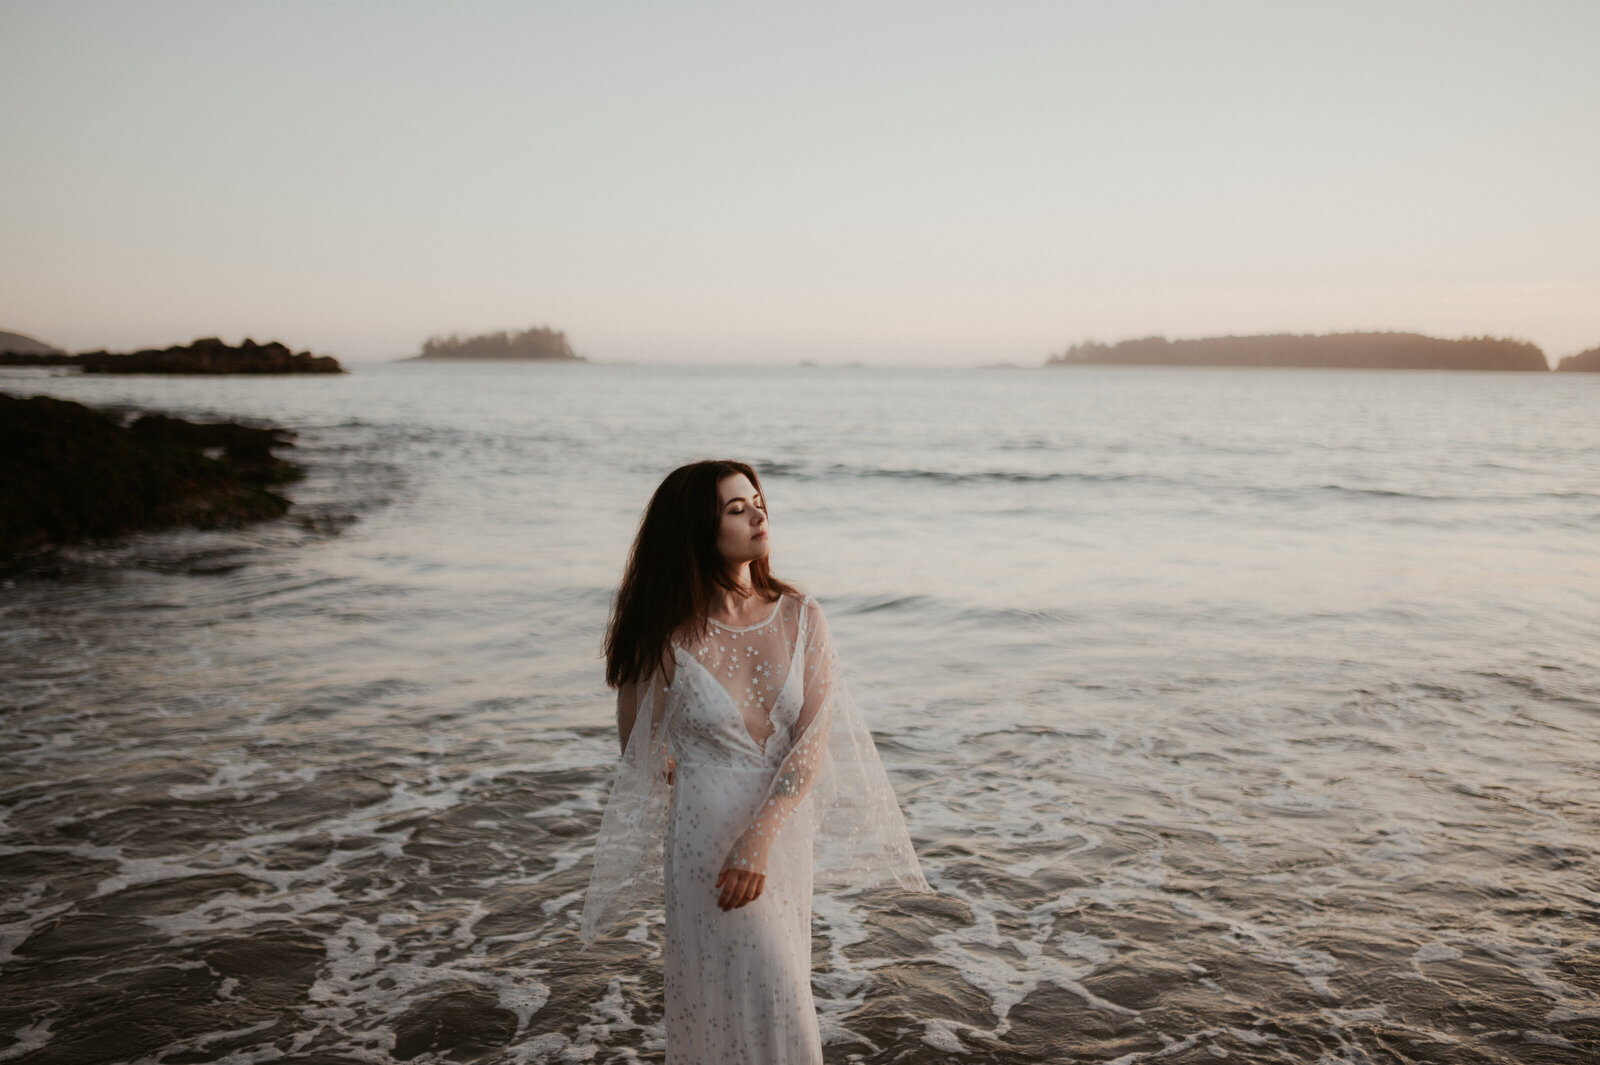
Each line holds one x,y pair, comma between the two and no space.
1169,1047
1436,951
1343,1017
1263,941
199,1043
231,776
30,1037
943,1035
844,981
610,1017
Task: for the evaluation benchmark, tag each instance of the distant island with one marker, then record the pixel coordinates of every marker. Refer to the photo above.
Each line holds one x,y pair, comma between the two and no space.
207,355
1582,362
1355,351
541,343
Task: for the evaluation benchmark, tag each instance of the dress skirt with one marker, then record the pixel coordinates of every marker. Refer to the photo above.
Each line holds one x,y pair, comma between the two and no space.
738,984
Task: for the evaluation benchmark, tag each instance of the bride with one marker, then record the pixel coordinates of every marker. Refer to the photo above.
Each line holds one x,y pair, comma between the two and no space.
746,774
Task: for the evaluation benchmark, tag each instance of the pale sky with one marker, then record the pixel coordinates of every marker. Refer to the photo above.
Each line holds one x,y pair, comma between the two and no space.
890,183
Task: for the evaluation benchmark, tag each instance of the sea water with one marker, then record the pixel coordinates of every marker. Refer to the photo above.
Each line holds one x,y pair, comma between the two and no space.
1241,715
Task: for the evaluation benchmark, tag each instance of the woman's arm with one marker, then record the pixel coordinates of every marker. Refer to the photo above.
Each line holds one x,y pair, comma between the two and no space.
627,712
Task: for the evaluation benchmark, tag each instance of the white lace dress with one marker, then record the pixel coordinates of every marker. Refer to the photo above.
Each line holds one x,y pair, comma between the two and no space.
762,728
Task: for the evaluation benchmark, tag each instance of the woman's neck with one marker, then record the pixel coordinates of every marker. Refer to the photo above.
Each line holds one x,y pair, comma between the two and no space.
737,604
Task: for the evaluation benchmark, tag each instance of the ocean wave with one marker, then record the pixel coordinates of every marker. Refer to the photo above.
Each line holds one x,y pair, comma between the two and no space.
945,476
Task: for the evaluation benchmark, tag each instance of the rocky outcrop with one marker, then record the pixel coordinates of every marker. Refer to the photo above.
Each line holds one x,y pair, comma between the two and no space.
210,355
1582,362
70,473
207,355
541,344
1357,351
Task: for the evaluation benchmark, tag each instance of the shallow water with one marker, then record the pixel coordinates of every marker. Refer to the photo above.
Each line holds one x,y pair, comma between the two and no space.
1237,715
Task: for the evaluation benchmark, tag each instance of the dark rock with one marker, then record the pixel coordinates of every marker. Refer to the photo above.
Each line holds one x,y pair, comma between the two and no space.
1582,362
69,473
247,449
26,358
210,355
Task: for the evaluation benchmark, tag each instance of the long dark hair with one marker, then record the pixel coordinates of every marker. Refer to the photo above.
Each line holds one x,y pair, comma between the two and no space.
674,571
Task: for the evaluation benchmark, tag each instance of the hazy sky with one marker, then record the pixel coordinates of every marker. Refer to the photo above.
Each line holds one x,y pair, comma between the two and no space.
884,182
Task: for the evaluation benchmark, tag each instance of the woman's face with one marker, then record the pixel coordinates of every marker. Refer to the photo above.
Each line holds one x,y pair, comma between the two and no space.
742,533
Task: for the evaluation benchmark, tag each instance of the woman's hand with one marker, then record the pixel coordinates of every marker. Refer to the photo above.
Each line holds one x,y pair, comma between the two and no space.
671,766
744,873
740,887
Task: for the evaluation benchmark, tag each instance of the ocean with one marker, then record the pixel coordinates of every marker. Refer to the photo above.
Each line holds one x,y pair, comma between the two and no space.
1237,715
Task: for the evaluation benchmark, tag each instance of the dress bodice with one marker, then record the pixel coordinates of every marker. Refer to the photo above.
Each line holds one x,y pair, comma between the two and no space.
760,710
736,693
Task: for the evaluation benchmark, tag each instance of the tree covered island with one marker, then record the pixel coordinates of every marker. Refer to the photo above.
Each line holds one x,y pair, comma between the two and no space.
1355,351
541,343
1583,362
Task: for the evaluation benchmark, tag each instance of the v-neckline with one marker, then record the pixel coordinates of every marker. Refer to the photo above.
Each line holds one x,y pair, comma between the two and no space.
733,706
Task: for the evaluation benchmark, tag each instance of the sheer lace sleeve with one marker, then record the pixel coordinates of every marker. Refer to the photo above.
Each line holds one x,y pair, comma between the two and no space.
627,854
859,833
808,747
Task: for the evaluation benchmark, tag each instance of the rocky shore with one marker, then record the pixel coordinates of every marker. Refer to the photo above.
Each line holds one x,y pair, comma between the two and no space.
69,473
209,355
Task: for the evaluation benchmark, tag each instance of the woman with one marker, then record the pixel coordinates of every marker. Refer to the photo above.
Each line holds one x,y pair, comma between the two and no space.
746,772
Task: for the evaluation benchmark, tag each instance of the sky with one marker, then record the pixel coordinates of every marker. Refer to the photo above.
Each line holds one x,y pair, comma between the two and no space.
926,183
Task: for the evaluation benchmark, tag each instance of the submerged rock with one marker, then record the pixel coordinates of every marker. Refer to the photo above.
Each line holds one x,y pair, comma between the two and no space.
70,473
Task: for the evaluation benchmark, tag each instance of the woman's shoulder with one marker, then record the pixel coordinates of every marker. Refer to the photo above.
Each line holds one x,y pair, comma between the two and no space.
807,609
800,602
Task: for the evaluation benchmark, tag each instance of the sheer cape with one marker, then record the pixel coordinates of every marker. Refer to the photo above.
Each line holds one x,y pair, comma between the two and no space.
830,771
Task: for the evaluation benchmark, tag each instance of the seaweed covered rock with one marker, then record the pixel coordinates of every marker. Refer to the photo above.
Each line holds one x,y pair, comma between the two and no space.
70,473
